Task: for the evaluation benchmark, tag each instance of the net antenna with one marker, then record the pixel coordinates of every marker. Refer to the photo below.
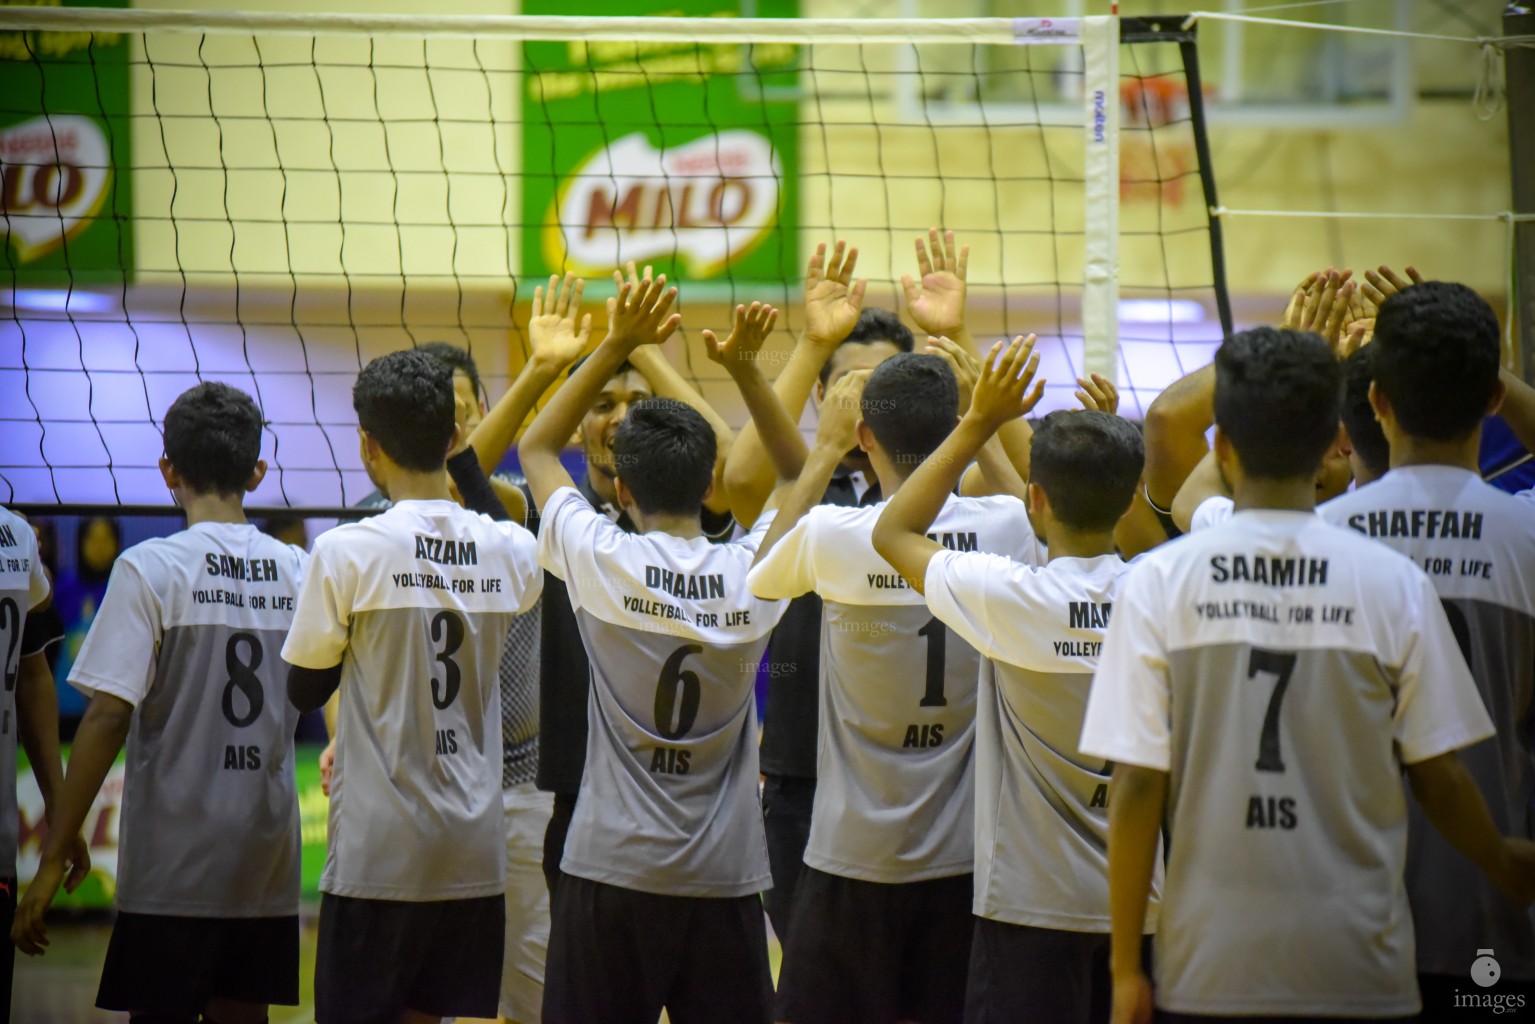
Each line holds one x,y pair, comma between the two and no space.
272,200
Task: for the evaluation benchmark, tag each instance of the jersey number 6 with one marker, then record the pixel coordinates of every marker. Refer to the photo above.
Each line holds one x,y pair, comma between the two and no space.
673,678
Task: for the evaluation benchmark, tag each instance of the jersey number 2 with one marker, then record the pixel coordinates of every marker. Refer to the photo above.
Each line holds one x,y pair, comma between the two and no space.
10,631
1282,665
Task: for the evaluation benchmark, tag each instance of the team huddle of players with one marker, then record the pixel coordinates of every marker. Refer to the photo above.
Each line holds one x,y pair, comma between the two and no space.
1043,774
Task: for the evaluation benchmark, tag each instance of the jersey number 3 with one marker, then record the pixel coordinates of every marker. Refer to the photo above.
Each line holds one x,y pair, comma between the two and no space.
448,630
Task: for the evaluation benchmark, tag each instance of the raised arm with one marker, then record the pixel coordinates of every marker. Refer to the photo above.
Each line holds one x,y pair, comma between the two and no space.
1002,394
740,355
937,302
640,314
833,300
1202,484
835,435
666,382
1518,409
557,334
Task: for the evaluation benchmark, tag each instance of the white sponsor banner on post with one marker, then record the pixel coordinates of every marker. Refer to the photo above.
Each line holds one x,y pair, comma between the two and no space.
1100,273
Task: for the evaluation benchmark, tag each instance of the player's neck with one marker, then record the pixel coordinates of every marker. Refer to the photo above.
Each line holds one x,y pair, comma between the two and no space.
1463,453
1294,495
1064,542
211,508
408,485
686,527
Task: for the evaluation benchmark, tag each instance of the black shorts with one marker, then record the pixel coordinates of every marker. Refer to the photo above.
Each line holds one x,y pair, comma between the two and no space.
618,956
1025,975
377,958
786,805
158,963
7,955
876,954
554,838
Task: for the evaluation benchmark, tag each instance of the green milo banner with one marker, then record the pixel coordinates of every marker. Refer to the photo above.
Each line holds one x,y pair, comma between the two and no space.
102,825
677,154
66,207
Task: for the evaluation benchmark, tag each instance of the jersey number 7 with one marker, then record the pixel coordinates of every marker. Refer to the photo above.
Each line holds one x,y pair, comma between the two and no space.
1282,665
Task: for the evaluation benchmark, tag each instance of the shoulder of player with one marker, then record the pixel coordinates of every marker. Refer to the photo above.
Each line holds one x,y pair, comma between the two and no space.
16,532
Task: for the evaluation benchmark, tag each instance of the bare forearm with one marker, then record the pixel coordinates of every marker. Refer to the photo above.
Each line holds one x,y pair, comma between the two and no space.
1457,810
749,473
1137,799
780,437
805,495
1519,408
97,743
668,383
917,502
1175,432
496,433
1203,483
37,723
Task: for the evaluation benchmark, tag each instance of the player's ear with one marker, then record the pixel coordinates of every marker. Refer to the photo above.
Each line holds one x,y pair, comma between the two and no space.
1380,403
1038,503
1496,401
708,493
257,475
865,435
1225,455
168,474
625,499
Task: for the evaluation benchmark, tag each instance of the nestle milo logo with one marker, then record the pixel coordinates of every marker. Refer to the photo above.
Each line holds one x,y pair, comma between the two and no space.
54,175
709,201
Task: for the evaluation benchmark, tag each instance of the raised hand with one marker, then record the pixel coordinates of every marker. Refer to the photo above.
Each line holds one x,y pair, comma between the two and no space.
937,302
841,411
1097,394
1003,393
557,339
833,299
1321,304
750,331
1383,282
966,367
638,314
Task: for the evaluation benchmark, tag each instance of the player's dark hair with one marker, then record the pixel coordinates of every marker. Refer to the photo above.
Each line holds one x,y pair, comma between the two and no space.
1364,432
1437,358
213,438
911,402
457,358
1277,397
875,326
1088,464
404,400
664,453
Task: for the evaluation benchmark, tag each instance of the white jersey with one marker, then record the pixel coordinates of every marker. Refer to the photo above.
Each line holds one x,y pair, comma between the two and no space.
1477,545
894,798
23,587
1282,671
668,799
188,633
415,605
1041,807
1215,510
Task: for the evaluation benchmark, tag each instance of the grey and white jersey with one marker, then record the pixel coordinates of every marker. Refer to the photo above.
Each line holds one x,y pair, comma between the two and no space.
1477,545
189,633
1041,807
415,604
1283,671
894,799
23,587
668,798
